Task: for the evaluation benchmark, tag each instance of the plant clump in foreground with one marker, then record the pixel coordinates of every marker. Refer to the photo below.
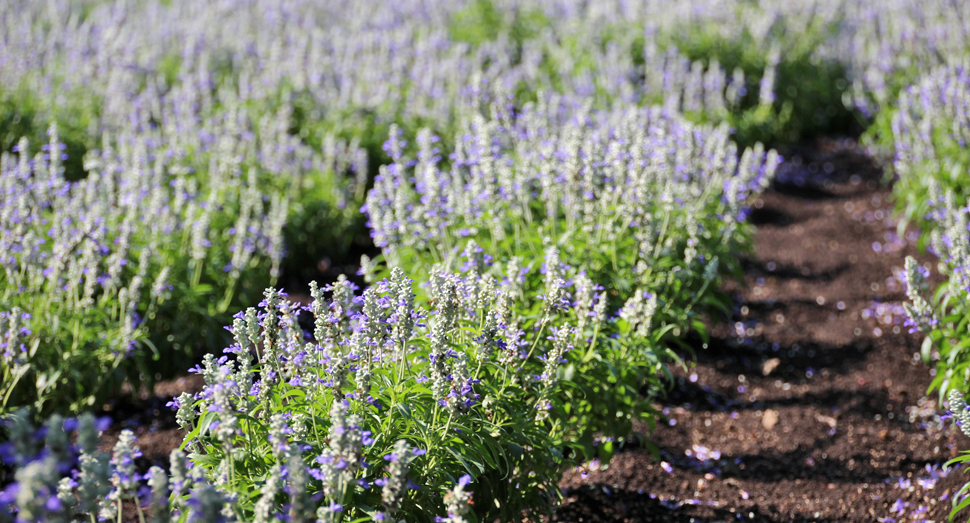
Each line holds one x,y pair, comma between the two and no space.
386,411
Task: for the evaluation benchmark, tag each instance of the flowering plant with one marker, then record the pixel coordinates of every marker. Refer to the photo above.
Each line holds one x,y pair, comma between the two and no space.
633,210
167,228
71,307
384,406
926,134
944,316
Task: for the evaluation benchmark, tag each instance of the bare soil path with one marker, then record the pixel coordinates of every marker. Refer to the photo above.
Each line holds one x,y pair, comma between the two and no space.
808,404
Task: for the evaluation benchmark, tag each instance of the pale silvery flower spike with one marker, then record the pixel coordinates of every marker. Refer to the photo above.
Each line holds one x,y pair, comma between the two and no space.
921,315
959,410
341,459
37,498
329,513
327,332
367,269
65,494
395,484
488,340
179,482
439,362
272,334
403,314
710,270
330,473
556,299
263,512
444,292
553,359
462,395
253,329
297,479
58,444
158,481
278,430
186,411
94,479
347,438
300,427
638,312
124,477
583,301
457,502
205,504
21,433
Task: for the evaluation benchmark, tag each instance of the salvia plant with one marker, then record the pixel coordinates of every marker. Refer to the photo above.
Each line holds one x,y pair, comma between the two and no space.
92,267
631,199
73,291
354,71
632,210
943,314
385,405
929,134
931,166
61,476
926,133
178,221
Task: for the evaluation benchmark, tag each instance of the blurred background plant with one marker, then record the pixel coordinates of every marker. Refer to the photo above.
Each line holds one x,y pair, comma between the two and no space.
633,207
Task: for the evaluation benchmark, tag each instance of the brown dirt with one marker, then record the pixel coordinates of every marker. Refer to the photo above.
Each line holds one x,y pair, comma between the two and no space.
809,403
152,422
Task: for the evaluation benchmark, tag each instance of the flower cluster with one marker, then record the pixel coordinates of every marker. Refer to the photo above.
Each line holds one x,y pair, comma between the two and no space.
921,316
591,173
929,136
63,253
381,391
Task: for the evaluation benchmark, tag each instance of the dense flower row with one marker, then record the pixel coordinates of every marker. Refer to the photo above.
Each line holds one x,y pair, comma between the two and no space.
637,206
236,131
471,372
141,239
384,411
930,131
561,170
61,478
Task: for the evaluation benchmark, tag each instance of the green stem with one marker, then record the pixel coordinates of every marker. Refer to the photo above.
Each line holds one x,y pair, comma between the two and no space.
227,297
660,237
616,267
448,424
698,295
141,514
196,272
542,327
592,343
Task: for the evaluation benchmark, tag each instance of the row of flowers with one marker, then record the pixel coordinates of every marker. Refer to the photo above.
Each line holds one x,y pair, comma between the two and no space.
194,157
930,129
561,257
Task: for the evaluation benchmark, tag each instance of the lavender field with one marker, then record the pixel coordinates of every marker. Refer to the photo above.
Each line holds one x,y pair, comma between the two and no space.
428,258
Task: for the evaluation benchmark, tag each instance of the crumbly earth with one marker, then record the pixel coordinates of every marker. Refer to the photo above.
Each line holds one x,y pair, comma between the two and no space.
808,403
